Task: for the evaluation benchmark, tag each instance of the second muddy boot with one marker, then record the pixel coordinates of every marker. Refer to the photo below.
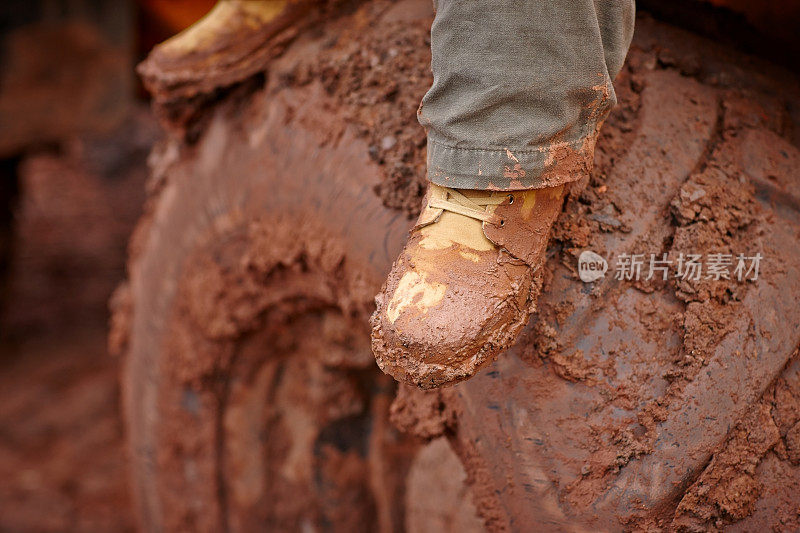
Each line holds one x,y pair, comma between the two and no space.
460,292
226,46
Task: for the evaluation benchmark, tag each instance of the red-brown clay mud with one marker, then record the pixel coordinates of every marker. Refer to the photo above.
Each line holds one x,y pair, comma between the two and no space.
319,411
62,450
378,73
424,414
242,364
622,402
732,484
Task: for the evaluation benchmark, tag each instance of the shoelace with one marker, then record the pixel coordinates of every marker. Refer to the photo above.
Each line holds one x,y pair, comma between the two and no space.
469,204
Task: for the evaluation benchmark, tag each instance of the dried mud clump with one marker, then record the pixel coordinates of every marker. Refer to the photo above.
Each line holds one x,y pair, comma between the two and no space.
731,485
727,488
716,215
424,414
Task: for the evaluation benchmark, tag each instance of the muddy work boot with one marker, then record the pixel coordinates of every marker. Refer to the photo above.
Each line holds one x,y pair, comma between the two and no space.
232,42
460,291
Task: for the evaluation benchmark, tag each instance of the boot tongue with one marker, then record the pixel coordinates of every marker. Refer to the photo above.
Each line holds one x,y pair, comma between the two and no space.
520,224
475,204
441,228
452,228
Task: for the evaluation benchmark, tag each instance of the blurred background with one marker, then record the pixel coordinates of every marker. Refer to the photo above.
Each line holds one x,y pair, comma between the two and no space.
75,132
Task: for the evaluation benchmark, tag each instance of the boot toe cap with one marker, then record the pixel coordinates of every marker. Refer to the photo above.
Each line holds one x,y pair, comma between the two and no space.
430,334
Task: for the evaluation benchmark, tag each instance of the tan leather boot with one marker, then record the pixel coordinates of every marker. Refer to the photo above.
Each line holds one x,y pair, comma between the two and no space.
460,291
226,46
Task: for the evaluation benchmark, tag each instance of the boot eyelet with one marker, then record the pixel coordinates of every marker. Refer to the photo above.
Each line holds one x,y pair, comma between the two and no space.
510,199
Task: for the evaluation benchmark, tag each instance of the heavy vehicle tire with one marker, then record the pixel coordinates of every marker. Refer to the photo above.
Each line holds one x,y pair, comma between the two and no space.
250,394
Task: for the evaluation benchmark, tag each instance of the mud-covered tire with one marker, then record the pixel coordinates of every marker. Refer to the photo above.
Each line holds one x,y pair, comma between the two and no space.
251,281
250,394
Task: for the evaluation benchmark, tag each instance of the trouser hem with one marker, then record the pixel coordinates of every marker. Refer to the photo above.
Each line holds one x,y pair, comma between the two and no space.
508,169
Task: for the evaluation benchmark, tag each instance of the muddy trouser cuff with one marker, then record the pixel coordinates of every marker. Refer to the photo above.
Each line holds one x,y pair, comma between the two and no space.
520,88
504,169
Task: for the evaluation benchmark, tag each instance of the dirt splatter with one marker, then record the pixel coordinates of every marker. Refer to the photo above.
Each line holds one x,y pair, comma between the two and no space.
380,77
